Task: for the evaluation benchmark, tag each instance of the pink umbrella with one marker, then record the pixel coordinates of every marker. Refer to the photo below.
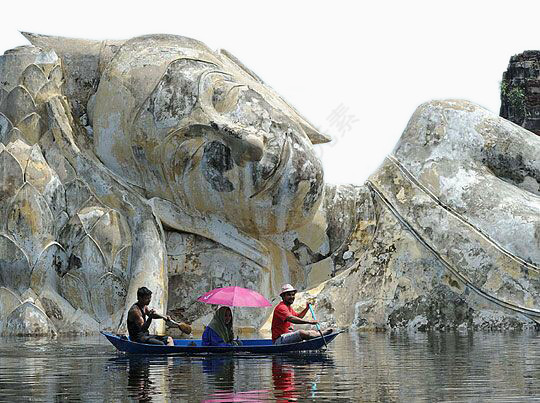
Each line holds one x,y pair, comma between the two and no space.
234,296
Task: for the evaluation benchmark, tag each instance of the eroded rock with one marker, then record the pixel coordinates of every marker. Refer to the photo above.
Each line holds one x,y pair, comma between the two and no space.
28,320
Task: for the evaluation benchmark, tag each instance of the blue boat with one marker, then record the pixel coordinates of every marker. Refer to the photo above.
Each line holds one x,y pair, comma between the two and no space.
192,346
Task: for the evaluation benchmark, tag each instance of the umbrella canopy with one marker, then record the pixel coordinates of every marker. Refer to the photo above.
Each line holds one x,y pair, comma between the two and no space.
234,296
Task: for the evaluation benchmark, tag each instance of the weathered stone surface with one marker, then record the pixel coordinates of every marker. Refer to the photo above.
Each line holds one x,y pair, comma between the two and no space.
158,162
11,178
196,265
28,320
14,266
8,302
212,159
5,128
30,221
456,239
66,318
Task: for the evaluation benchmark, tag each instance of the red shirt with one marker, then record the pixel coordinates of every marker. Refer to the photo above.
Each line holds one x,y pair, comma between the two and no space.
279,323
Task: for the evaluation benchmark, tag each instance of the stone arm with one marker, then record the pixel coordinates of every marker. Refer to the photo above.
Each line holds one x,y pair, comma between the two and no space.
340,231
481,168
456,228
466,183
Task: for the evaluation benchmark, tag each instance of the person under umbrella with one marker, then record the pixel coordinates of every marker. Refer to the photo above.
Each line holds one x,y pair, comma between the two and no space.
219,331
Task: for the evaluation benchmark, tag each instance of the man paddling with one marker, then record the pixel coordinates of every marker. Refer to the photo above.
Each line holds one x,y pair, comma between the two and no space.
285,316
140,318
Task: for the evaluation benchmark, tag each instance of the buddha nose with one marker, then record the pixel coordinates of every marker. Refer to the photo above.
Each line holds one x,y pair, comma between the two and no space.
246,143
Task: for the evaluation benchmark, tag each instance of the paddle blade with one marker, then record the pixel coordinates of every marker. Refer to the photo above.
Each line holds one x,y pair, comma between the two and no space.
184,327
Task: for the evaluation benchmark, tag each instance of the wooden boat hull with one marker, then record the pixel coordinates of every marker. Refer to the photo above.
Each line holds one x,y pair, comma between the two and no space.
192,346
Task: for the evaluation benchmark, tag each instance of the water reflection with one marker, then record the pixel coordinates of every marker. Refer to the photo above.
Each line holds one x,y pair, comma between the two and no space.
140,385
357,367
283,377
220,372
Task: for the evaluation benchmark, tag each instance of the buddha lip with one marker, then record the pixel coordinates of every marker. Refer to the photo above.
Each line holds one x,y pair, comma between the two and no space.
278,169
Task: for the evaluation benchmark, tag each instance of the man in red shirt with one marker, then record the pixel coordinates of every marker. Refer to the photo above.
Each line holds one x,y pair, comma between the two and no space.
285,316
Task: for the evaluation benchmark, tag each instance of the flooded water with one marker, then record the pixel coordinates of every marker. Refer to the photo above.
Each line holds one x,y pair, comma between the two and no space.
382,367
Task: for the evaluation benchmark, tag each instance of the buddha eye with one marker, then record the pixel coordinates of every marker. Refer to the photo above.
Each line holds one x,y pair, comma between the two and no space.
226,95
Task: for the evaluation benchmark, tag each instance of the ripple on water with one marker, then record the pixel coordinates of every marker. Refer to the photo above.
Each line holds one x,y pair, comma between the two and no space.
358,367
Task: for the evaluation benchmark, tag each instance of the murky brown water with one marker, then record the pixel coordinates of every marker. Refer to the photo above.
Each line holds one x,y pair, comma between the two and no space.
358,367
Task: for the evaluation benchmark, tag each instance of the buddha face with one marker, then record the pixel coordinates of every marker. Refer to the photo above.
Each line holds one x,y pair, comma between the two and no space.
216,140
248,161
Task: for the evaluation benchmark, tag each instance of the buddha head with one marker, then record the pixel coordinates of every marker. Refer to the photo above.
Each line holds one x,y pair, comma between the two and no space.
195,127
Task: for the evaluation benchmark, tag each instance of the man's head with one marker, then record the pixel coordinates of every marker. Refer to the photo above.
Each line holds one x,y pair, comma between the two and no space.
144,295
288,293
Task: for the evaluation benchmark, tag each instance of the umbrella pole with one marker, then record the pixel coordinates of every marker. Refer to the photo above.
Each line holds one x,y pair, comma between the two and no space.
232,312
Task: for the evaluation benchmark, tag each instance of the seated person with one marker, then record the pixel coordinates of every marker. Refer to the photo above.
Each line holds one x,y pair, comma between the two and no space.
285,316
219,331
140,318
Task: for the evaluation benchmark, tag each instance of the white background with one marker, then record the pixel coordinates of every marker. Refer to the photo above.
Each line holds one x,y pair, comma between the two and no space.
376,61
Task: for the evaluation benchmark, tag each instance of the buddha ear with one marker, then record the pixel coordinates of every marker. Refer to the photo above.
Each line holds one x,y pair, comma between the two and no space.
83,62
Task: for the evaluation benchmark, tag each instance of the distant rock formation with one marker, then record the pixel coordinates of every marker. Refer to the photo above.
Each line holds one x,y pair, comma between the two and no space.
520,91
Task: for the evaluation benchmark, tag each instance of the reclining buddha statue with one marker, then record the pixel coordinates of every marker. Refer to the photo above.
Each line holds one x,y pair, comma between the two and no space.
157,161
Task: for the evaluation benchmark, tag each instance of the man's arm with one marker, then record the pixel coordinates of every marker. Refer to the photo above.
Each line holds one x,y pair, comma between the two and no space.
299,321
136,316
152,314
303,313
146,324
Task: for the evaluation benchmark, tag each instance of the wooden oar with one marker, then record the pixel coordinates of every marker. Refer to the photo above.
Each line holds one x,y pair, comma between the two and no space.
317,325
184,327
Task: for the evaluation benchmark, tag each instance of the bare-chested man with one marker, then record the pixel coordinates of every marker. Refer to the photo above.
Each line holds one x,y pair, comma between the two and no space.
140,318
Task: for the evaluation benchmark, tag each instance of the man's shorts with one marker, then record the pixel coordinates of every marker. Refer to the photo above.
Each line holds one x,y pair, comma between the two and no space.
289,338
153,339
